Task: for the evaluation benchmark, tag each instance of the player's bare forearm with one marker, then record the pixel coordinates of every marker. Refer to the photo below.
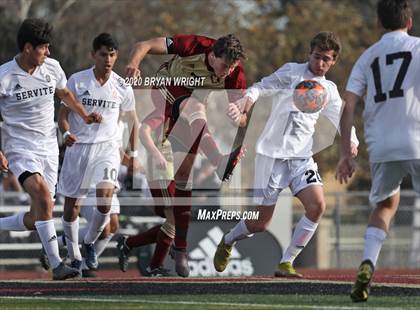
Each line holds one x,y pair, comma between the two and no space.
71,102
155,46
146,139
133,127
346,123
63,121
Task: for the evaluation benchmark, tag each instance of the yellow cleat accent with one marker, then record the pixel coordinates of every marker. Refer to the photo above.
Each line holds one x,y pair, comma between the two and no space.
286,270
361,288
221,257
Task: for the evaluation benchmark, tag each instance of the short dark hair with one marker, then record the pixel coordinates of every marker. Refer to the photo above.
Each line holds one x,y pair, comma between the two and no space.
326,41
34,31
229,47
104,39
394,14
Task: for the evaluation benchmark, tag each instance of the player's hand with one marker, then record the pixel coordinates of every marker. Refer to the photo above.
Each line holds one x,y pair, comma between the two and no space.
4,163
160,161
132,71
93,118
354,150
234,113
70,140
133,166
345,169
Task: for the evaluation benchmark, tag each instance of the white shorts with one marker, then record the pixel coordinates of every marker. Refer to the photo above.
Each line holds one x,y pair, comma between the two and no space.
87,165
272,175
387,177
88,204
45,165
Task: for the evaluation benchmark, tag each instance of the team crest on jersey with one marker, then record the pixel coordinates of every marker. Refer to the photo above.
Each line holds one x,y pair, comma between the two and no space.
214,79
48,78
122,83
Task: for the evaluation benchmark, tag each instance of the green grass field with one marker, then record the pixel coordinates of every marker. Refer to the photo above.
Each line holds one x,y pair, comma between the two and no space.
259,301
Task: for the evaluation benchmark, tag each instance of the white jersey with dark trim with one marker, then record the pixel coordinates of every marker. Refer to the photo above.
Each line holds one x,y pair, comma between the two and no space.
387,76
107,99
288,133
27,106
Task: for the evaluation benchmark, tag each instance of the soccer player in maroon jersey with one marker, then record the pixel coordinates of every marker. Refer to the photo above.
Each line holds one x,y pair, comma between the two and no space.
179,119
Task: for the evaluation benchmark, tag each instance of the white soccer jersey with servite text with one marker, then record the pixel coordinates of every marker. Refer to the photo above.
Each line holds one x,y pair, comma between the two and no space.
106,100
388,76
27,107
288,133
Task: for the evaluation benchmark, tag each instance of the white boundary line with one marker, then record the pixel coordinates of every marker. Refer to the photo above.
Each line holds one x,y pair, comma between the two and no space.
167,302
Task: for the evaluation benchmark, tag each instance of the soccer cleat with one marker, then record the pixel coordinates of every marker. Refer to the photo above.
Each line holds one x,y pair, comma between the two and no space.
361,288
181,261
229,162
87,273
221,256
89,253
286,270
43,259
63,272
77,264
158,272
123,253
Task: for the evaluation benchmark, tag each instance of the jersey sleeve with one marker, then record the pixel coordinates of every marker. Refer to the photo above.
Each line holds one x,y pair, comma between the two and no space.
188,45
61,77
129,103
357,82
271,84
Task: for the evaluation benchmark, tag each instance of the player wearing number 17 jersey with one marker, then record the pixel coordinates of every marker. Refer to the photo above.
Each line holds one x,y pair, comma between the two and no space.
92,163
387,76
284,151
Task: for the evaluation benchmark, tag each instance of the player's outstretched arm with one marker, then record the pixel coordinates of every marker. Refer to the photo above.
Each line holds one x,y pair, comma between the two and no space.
155,46
71,102
346,165
147,141
64,125
132,153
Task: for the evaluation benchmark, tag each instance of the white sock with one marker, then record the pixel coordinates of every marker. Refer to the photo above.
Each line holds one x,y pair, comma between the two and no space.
13,222
82,233
84,266
61,242
71,231
48,236
374,238
304,231
100,244
96,226
239,232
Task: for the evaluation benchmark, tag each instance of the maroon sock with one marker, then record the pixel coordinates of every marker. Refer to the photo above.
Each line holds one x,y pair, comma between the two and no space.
182,214
163,243
204,139
147,237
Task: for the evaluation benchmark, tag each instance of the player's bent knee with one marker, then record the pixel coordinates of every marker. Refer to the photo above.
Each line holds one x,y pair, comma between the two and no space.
256,226
315,211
